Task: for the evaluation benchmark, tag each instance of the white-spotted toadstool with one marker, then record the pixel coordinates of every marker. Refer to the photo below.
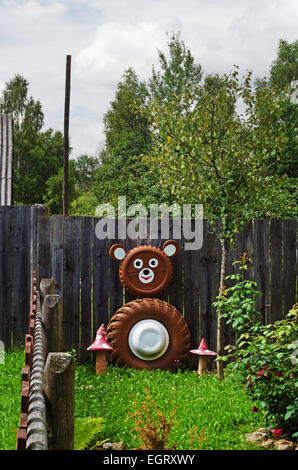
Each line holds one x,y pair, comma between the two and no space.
100,347
203,352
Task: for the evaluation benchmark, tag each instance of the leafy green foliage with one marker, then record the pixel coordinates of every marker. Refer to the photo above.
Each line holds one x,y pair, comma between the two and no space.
151,425
53,191
37,154
237,303
127,135
85,204
86,432
85,168
265,365
284,68
217,156
177,73
284,71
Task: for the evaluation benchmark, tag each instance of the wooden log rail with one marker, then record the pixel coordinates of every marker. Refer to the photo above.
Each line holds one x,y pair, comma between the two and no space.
22,432
47,397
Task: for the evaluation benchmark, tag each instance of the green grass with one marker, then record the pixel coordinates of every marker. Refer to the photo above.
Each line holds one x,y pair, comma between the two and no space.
220,409
10,398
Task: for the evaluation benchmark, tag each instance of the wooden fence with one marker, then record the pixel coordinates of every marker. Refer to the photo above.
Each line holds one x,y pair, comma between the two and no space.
47,394
87,279
67,250
18,242
6,126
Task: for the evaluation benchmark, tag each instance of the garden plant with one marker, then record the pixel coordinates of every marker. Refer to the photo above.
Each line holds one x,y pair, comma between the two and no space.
263,359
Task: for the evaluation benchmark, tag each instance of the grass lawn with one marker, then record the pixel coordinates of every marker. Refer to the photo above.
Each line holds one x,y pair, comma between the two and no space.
10,398
220,409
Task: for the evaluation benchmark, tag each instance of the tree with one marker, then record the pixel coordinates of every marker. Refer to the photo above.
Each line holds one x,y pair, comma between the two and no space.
37,154
53,190
177,73
128,136
283,72
85,169
284,69
216,156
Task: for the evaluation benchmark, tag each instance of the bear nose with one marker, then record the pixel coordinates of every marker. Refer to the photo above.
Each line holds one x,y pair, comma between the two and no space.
146,272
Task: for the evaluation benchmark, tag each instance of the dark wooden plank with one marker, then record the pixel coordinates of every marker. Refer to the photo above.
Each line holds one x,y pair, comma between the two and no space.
21,273
35,213
213,267
276,270
191,268
176,288
8,265
100,281
203,281
114,286
128,243
3,311
71,283
289,263
261,263
87,233
229,336
57,227
158,243
45,247
244,244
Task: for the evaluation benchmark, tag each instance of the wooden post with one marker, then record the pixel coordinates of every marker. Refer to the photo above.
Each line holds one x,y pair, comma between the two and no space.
51,317
59,392
203,361
66,135
100,362
47,287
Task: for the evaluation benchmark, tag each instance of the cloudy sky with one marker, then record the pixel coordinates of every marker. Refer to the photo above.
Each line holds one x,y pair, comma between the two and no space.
105,37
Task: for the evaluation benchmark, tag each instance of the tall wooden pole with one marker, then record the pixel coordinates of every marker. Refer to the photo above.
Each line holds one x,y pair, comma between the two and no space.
66,135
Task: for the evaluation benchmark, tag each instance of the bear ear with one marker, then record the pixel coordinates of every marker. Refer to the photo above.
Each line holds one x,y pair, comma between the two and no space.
117,252
170,248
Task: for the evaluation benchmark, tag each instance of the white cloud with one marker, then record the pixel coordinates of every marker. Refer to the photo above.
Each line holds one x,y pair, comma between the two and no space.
116,47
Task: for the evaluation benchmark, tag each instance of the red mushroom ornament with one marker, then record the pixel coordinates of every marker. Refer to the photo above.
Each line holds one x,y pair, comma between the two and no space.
203,352
100,347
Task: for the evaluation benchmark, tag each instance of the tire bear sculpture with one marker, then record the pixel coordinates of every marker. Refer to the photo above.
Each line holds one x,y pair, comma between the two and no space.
147,333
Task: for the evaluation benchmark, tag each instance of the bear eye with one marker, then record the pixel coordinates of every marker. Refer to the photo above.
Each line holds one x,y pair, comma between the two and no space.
153,263
138,263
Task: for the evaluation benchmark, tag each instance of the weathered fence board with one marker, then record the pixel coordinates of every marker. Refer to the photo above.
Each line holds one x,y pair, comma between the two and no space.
17,243
289,263
45,241
57,252
71,283
191,260
261,262
87,230
276,274
21,272
100,282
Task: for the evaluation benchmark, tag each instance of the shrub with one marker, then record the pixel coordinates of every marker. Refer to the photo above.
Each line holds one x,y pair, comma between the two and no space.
237,303
264,362
152,426
87,431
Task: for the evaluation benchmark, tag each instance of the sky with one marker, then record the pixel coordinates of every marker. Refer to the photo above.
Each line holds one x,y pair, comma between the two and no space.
105,37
